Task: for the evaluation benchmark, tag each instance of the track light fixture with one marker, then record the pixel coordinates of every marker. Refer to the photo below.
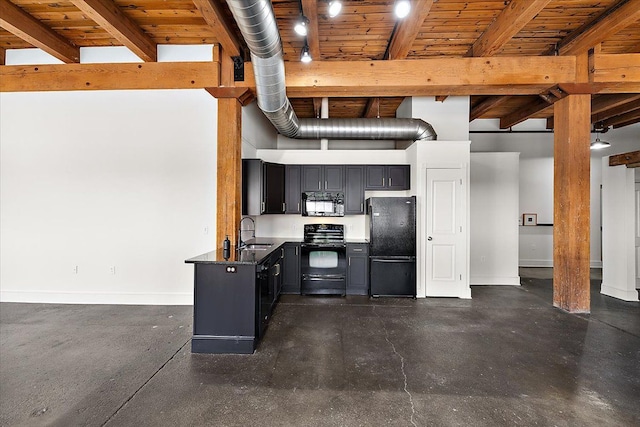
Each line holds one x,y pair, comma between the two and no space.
402,8
305,56
335,6
301,26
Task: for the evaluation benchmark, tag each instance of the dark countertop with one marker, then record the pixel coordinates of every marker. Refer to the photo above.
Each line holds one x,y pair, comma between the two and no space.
247,256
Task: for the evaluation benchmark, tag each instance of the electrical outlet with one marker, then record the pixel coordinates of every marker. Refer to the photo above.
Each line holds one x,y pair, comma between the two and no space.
75,269
206,230
112,269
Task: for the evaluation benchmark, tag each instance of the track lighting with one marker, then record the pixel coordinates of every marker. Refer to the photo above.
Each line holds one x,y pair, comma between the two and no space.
335,6
305,56
598,145
402,8
301,26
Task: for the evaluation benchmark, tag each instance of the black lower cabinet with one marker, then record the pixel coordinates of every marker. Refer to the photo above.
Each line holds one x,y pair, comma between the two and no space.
291,270
357,269
226,302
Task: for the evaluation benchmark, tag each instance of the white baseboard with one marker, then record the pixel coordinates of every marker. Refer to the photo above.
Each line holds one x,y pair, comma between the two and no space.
495,280
129,298
549,263
622,294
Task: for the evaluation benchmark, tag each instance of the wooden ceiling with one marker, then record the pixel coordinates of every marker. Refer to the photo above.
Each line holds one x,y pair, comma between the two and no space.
365,30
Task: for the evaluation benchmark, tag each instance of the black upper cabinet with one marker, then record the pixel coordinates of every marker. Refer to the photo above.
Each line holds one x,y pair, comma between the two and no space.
292,189
354,190
388,177
262,187
323,178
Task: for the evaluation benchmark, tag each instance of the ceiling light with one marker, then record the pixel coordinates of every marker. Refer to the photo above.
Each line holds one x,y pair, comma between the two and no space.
402,8
335,6
598,145
305,56
301,26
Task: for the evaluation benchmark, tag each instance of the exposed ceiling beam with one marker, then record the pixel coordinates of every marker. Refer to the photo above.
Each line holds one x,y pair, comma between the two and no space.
631,158
407,30
623,119
486,105
544,102
110,17
628,123
441,98
372,109
151,75
244,95
604,103
621,68
610,22
507,24
616,111
29,29
317,107
212,13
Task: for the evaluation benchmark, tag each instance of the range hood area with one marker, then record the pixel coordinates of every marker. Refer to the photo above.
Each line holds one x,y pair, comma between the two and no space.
258,26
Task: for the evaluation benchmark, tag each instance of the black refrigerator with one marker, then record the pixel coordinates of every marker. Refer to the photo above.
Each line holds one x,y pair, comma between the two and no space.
392,246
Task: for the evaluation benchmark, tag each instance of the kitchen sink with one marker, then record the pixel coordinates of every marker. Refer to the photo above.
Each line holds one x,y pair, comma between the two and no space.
257,246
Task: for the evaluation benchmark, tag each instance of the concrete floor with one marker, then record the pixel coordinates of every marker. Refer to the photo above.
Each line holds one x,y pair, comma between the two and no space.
506,357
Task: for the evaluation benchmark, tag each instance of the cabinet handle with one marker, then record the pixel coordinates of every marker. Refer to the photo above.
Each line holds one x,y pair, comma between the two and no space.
389,182
262,206
326,185
296,250
349,261
284,207
319,186
298,206
361,207
281,253
278,273
357,250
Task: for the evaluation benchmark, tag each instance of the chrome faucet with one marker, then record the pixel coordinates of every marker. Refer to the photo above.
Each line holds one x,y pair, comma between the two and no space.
240,242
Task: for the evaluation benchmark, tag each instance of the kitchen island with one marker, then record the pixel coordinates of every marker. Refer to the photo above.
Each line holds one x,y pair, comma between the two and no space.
235,296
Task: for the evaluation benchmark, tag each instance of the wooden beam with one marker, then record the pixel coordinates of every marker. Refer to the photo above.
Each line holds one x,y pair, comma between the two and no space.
622,119
613,20
211,11
627,159
310,10
29,29
571,204
152,75
229,171
372,109
507,24
3,56
621,68
545,102
110,17
407,30
243,95
627,123
486,105
441,98
600,104
616,111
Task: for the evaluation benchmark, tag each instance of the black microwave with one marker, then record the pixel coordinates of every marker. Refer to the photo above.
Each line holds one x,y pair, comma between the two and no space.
322,203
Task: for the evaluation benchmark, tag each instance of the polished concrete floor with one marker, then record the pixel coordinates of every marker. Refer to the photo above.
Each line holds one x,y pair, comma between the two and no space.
506,357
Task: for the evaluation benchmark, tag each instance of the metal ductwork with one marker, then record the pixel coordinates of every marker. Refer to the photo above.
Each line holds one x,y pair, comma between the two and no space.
257,22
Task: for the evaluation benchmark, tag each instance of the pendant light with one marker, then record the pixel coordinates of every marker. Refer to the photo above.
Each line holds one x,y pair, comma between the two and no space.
301,26
305,56
402,8
335,6
599,145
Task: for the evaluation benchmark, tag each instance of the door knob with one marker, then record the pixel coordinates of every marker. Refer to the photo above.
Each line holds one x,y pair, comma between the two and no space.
429,238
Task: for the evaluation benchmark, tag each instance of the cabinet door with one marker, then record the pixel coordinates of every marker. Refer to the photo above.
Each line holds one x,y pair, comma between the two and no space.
293,193
252,187
354,190
334,178
375,177
291,270
398,177
274,188
312,179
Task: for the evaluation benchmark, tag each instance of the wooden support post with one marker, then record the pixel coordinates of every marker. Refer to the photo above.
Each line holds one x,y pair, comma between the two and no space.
229,181
571,213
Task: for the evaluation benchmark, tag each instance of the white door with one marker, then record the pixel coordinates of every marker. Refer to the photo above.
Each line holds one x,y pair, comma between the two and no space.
446,241
637,200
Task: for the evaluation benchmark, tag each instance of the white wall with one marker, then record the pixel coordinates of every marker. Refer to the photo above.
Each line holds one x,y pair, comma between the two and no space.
494,219
122,179
536,180
618,238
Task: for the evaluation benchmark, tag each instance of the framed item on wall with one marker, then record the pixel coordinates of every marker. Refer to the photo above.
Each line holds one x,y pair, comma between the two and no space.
529,219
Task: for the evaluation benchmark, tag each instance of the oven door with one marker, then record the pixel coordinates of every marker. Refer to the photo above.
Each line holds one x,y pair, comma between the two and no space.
323,269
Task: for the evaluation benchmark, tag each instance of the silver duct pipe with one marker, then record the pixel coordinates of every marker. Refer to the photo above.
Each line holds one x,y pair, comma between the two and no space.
257,23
